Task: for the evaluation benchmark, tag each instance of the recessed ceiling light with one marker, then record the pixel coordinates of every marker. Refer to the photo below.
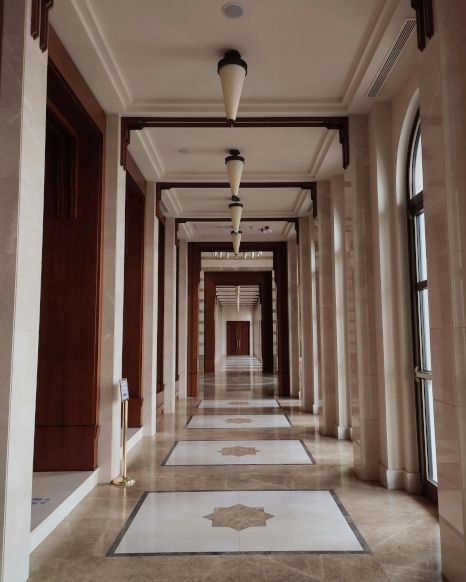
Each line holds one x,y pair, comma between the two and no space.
184,151
232,10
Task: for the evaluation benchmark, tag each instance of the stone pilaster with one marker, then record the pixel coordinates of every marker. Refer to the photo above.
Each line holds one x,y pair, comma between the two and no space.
23,94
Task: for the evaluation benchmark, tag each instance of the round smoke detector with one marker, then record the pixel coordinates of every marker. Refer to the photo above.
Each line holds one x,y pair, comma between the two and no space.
232,10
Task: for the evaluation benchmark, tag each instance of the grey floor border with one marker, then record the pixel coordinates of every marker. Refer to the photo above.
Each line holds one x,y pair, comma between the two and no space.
251,399
365,548
173,447
235,427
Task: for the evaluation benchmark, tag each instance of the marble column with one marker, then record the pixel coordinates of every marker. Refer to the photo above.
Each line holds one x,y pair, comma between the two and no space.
23,86
149,358
357,178
183,317
169,321
328,418
307,313
350,313
293,316
113,263
398,467
442,77
339,301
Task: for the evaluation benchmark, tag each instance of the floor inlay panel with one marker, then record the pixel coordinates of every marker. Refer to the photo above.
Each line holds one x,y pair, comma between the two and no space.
239,421
251,403
241,452
217,522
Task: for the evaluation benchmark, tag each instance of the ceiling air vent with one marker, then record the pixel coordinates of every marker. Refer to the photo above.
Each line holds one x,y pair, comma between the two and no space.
392,56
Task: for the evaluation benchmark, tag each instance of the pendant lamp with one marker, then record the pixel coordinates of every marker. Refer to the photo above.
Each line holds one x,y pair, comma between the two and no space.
236,239
236,209
235,164
232,70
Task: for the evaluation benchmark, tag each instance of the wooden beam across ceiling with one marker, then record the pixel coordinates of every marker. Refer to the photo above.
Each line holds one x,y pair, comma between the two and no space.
338,123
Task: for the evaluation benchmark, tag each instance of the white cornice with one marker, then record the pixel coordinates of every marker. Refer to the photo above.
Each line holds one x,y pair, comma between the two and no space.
367,48
322,151
302,203
96,37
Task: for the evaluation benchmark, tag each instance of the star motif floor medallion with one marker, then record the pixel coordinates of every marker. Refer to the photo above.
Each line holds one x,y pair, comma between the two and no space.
239,517
238,451
238,420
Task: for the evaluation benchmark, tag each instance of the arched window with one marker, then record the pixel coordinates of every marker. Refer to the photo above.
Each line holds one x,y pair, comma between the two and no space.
420,304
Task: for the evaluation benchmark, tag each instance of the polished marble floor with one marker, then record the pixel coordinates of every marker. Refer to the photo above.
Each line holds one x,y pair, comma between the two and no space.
241,504
240,452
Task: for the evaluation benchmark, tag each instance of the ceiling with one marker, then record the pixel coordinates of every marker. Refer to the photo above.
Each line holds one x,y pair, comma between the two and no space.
248,295
305,57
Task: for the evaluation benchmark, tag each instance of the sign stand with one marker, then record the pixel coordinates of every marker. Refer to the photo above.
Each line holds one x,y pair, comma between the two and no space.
123,480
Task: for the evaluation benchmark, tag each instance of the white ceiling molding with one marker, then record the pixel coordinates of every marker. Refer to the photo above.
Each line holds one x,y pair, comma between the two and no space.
188,229
302,203
94,32
322,152
215,107
171,203
290,231
143,151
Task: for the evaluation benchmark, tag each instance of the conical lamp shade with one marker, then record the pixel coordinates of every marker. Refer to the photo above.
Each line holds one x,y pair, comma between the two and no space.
232,70
236,239
235,164
236,209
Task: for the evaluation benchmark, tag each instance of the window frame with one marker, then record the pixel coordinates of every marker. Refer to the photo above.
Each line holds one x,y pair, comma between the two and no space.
415,206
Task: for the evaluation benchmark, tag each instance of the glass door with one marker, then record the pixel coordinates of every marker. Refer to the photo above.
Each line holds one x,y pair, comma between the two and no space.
420,304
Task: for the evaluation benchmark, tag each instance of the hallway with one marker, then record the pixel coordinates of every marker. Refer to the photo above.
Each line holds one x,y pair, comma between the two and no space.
228,503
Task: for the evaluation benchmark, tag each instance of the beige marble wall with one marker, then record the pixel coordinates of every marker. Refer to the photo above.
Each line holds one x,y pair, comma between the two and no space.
22,145
306,285
113,264
149,360
442,77
169,318
339,303
293,316
183,317
398,467
366,438
328,373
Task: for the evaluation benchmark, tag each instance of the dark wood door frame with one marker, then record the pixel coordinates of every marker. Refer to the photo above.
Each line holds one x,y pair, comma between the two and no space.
67,399
133,303
235,330
280,265
261,278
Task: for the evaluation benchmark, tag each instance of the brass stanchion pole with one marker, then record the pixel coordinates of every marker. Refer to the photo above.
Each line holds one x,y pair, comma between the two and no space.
123,480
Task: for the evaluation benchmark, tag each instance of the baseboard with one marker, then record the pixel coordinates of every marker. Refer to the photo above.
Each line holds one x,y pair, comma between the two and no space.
400,479
58,514
134,437
315,409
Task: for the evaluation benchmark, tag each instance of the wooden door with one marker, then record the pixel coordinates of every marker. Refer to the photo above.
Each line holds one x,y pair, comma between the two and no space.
237,338
243,333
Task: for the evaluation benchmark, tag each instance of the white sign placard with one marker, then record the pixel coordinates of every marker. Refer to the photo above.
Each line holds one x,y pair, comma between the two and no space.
124,391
